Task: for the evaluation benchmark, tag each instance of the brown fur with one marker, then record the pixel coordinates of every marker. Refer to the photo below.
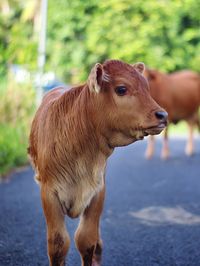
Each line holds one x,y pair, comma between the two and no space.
73,133
179,94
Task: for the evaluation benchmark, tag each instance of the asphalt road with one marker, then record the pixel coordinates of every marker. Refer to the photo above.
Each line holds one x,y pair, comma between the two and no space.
151,215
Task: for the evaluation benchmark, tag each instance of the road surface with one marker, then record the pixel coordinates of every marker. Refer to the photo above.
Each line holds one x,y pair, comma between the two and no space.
151,215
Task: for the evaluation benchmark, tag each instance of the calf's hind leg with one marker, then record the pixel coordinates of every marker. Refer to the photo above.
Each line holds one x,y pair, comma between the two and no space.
87,236
150,147
57,236
165,148
189,149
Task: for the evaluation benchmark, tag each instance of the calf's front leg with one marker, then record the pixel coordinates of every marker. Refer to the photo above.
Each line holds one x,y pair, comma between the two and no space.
87,236
57,236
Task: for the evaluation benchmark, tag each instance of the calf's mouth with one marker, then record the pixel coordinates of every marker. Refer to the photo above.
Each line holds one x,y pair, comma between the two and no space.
140,133
154,130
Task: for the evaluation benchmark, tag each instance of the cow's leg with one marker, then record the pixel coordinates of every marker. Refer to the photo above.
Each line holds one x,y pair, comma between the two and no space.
150,147
165,149
189,149
57,236
87,236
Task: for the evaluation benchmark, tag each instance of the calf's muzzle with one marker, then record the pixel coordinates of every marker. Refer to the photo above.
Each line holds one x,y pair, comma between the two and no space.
162,116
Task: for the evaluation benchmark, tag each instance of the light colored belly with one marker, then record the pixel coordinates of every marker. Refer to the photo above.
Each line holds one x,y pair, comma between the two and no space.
75,197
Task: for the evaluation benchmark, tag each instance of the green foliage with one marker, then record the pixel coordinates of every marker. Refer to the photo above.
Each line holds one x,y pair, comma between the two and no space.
22,48
16,110
18,43
164,34
13,143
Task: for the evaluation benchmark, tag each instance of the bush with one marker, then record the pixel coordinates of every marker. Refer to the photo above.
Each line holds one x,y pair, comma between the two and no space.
16,109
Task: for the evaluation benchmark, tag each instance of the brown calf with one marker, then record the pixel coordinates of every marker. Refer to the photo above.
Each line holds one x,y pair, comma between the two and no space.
73,133
179,94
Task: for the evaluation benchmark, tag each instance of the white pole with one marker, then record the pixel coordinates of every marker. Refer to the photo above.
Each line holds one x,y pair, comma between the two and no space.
41,49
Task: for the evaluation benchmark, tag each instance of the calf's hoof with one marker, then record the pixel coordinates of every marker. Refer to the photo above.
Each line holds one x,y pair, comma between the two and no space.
189,151
165,155
148,155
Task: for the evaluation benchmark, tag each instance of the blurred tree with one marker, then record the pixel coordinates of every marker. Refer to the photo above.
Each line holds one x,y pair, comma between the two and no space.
18,43
68,22
164,34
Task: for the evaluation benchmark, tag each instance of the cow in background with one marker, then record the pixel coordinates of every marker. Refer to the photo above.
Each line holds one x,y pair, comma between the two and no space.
179,94
73,133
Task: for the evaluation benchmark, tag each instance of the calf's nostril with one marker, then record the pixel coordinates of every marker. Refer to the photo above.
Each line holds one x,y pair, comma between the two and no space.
161,115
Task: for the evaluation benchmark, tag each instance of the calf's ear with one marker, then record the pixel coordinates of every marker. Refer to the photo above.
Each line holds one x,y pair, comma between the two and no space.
140,67
95,78
152,74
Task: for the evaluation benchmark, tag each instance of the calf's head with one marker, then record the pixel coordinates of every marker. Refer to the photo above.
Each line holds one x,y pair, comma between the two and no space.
124,111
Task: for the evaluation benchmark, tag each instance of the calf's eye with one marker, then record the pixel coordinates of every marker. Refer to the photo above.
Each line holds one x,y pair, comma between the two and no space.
121,90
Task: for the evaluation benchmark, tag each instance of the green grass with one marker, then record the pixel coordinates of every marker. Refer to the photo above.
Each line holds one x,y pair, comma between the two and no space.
3,84
181,129
16,112
13,146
